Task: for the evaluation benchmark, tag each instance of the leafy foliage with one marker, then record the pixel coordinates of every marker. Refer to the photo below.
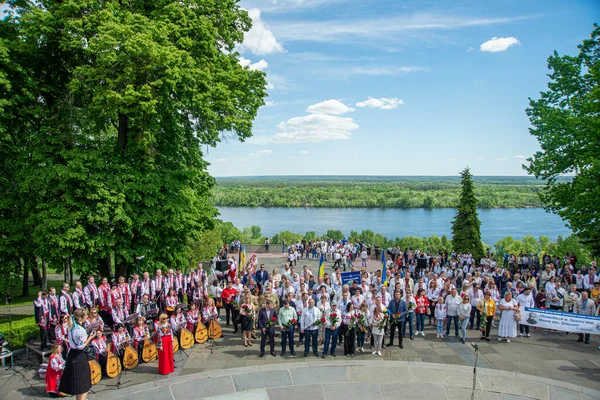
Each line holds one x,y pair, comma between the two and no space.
20,332
566,124
104,109
466,225
395,192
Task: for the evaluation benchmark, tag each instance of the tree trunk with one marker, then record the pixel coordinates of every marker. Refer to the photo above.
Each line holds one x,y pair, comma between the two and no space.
70,272
44,285
65,270
104,267
35,272
123,131
25,278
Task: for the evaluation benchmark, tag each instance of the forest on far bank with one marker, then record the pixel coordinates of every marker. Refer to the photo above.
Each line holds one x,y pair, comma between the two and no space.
372,192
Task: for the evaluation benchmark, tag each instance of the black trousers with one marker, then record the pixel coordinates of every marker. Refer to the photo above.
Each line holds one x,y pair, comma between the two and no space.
488,326
350,341
43,337
400,328
270,334
475,314
229,312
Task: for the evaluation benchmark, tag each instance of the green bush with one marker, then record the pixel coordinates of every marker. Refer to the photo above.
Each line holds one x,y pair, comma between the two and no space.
22,331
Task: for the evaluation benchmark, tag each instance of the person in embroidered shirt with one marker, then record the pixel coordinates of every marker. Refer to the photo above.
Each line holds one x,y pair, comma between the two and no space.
332,331
310,315
452,302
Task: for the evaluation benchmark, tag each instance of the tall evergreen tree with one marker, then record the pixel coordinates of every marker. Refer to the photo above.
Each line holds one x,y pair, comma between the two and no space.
466,224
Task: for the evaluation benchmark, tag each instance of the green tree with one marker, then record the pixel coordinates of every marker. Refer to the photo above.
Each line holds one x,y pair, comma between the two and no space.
111,103
334,234
466,225
566,124
310,235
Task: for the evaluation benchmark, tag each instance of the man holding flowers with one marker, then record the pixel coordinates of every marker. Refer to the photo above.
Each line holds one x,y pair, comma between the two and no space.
333,320
287,320
397,310
266,323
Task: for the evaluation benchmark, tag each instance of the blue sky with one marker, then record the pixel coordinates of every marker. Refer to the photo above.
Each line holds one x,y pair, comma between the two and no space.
390,87
398,87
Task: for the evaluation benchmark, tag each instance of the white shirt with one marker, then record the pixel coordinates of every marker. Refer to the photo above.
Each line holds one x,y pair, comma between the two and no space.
309,316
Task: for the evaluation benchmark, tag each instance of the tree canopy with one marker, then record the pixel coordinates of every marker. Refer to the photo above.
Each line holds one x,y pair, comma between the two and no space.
466,225
104,109
565,120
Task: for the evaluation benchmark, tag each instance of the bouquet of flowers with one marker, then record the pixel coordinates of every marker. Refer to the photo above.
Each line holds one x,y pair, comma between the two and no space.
287,325
396,318
384,320
248,311
411,306
270,323
333,319
236,304
319,322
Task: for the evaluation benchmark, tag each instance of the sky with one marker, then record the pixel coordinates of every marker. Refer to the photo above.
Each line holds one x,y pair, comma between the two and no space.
398,87
391,87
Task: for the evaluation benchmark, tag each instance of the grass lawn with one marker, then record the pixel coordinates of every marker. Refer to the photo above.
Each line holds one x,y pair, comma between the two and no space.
28,300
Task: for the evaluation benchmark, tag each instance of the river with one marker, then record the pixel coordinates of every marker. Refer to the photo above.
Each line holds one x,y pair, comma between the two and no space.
391,223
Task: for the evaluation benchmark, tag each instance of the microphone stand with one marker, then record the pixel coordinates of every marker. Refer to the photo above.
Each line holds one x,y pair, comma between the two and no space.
476,347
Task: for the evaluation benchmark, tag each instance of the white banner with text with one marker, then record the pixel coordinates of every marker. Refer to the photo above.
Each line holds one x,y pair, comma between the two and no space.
562,321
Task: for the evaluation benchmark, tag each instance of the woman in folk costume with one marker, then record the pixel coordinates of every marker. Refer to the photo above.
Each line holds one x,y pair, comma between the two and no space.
56,365
166,362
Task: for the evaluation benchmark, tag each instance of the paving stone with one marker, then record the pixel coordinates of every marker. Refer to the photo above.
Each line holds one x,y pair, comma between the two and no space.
199,388
161,393
557,393
380,375
312,392
444,377
260,394
412,391
317,375
259,380
504,396
353,391
445,351
458,393
457,360
516,387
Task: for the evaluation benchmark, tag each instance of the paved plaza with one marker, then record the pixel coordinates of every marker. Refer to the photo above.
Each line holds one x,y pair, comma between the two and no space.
550,365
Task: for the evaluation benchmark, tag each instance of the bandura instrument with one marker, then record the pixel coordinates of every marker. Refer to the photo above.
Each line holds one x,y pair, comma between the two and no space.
149,352
130,358
95,371
201,332
186,339
113,365
214,330
175,344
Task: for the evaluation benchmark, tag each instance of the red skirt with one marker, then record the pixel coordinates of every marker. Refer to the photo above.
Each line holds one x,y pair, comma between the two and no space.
166,364
52,380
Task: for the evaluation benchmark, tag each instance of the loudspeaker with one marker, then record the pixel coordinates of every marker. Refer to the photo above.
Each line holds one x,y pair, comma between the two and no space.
222,266
421,263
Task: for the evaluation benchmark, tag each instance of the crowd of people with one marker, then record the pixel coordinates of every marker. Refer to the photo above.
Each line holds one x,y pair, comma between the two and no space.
416,292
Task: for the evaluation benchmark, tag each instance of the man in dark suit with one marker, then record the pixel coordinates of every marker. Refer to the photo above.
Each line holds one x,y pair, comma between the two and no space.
262,276
397,306
267,316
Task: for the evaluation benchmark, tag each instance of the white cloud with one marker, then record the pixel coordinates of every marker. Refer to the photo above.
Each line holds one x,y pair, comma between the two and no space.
303,152
290,157
262,153
259,39
519,157
480,158
384,70
222,160
449,159
470,49
269,103
382,103
257,66
333,107
314,128
384,29
498,44
500,159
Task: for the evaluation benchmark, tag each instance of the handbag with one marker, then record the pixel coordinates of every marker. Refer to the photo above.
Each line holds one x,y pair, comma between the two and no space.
428,312
517,315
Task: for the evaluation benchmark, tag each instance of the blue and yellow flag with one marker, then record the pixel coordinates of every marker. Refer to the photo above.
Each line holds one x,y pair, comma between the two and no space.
321,267
242,261
383,268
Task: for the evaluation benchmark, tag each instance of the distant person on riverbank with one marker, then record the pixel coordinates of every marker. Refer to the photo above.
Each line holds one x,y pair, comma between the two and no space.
267,242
